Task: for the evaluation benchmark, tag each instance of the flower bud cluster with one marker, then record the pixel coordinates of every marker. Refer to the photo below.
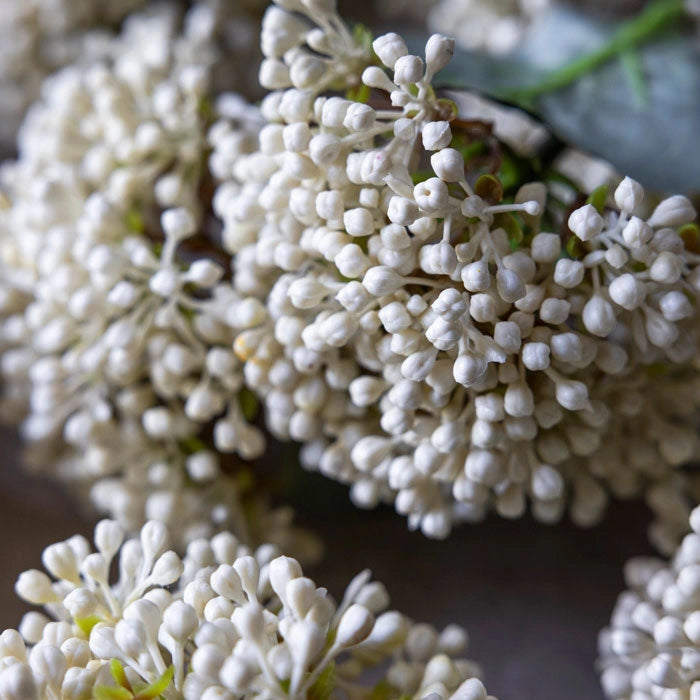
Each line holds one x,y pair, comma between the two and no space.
41,36
495,26
117,319
422,352
652,647
307,46
222,622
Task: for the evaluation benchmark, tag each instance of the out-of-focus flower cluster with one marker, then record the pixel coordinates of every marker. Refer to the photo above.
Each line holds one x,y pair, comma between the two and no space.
439,347
222,622
495,26
117,328
38,37
652,647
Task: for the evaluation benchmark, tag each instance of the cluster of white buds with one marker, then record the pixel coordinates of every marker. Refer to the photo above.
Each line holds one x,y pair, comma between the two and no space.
117,321
495,26
435,346
652,648
40,36
222,622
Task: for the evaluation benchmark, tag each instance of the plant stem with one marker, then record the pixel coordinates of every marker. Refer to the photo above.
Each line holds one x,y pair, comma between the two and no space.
649,23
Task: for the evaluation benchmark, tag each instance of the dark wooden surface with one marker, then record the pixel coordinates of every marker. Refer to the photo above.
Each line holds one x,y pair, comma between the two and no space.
533,597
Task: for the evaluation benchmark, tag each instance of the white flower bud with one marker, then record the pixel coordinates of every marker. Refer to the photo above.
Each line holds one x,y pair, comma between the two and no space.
675,306
375,77
507,335
637,233
439,50
354,627
306,293
178,223
555,311
380,281
536,356
599,316
359,117
351,261
674,211
629,195
627,291
476,276
334,111
405,129
482,308
204,273
566,347
274,74
389,48
545,247
546,483
569,273
437,135
35,587
484,467
586,222
471,689
324,149
510,286
369,452
469,369
402,211
616,256
353,296
450,304
358,222
519,400
307,71
431,196
571,394
338,328
365,391
667,268
408,70
443,334
448,164
167,569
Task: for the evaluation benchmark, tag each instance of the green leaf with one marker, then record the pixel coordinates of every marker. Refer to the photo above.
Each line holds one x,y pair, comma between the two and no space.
108,692
158,687
249,403
489,187
599,197
382,691
119,674
87,623
324,685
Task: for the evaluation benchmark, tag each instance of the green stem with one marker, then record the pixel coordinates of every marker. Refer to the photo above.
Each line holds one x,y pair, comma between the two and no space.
655,18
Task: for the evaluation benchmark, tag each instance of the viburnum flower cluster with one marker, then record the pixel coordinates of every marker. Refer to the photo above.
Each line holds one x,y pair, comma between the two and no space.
117,330
222,622
433,344
652,646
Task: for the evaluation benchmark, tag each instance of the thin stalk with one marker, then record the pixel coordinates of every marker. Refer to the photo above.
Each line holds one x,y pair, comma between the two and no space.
648,24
